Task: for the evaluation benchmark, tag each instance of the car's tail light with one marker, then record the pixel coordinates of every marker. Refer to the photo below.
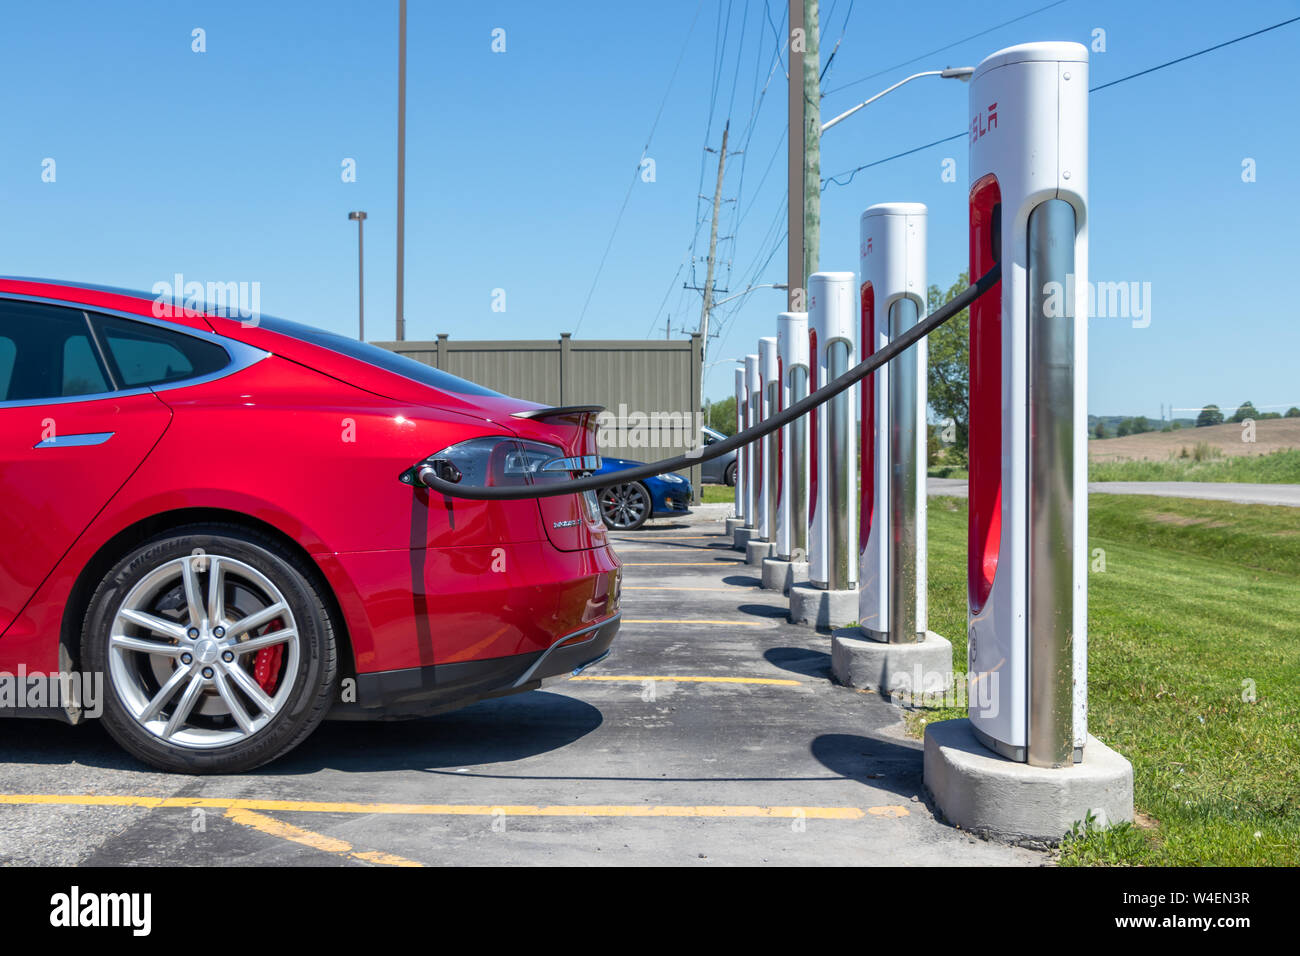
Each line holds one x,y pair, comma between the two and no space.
496,461
591,501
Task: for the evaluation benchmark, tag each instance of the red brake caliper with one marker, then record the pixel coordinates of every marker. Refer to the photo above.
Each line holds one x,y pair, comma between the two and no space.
266,665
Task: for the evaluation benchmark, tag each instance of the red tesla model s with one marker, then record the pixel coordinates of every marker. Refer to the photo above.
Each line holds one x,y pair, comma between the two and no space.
214,534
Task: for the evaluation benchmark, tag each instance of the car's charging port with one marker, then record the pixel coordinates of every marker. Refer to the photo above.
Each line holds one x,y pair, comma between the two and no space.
438,468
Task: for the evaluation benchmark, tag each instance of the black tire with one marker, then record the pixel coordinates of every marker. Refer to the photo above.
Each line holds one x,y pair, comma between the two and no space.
729,476
304,692
625,507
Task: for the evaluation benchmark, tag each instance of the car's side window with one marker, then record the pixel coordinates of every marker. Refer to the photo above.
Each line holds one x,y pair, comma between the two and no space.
82,374
143,354
8,353
51,353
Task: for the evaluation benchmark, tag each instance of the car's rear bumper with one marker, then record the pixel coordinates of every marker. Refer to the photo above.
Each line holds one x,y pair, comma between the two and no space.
414,609
419,691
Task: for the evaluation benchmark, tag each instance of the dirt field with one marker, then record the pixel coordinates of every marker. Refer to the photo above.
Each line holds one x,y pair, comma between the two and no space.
1273,434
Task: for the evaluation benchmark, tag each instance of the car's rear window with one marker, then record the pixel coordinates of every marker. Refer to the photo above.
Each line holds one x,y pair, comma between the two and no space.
374,355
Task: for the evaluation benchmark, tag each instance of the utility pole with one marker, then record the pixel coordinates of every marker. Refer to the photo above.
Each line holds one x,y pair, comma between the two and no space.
812,125
401,173
794,261
713,248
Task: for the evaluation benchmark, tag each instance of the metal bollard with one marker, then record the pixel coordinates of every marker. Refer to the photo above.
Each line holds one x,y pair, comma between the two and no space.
830,301
792,366
767,368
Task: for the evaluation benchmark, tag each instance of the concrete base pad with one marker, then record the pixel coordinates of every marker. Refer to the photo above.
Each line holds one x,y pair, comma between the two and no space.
893,670
820,607
742,536
781,575
732,525
987,794
757,550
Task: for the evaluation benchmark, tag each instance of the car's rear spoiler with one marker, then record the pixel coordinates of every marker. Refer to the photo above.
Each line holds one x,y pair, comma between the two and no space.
557,411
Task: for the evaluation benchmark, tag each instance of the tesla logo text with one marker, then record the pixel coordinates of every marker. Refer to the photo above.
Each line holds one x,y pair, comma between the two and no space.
566,524
865,250
984,122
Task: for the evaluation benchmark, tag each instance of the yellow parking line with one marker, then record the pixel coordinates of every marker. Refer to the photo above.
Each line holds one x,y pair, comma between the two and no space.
656,587
677,550
442,809
777,681
317,841
627,620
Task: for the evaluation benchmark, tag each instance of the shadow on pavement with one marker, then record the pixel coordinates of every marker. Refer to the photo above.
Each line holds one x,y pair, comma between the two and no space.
882,764
492,731
800,660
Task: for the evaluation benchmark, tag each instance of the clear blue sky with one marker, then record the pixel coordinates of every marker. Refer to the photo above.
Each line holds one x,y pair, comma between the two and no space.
225,165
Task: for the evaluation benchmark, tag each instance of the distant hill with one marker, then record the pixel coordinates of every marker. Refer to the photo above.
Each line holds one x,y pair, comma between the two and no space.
1112,422
1271,434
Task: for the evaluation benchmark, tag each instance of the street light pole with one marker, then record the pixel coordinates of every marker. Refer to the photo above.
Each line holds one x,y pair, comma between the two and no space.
401,173
805,228
762,285
360,218
962,73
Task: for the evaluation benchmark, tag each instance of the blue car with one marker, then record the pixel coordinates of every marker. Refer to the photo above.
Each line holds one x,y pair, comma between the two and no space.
627,507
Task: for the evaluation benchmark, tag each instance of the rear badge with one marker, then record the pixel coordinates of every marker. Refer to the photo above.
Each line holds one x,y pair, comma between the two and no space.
566,524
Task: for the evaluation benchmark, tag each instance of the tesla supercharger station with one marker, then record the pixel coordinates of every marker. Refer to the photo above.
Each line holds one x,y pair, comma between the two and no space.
832,519
744,450
892,417
753,464
769,381
792,441
1027,566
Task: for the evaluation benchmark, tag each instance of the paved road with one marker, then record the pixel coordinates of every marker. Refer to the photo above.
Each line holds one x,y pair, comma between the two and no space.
712,735
1248,494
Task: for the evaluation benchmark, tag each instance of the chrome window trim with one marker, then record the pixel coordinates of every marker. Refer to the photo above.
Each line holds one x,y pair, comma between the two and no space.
241,355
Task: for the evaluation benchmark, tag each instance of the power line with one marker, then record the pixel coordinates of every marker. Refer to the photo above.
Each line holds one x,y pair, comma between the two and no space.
948,46
907,152
835,49
1182,59
637,171
1123,79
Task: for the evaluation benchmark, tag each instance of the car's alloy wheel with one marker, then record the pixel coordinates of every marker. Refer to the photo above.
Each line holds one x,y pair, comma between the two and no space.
217,651
625,507
200,650
730,477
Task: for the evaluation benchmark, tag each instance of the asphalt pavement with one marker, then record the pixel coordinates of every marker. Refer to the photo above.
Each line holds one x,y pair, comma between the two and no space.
712,735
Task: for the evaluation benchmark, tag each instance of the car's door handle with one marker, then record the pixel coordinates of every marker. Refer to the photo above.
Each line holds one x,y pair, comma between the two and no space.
75,441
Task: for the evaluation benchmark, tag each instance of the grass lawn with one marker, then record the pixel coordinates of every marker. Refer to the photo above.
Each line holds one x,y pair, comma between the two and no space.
1194,672
713,494
1279,467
